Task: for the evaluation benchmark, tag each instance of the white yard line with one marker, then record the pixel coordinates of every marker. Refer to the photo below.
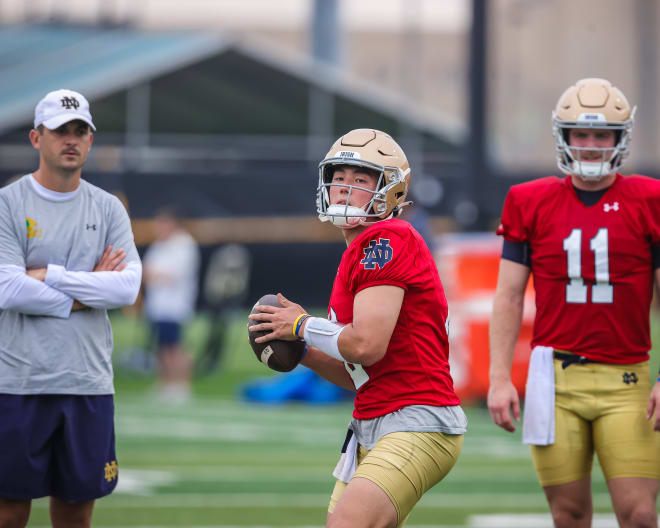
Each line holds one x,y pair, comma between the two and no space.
266,526
475,521
532,521
178,429
307,500
168,427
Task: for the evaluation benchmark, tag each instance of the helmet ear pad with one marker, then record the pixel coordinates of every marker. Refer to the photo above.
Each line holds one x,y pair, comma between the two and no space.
394,197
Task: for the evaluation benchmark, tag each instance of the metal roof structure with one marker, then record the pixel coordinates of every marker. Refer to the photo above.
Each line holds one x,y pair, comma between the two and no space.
99,62
229,132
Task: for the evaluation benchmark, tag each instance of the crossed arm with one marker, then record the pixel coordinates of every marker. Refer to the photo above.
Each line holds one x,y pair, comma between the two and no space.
56,292
110,261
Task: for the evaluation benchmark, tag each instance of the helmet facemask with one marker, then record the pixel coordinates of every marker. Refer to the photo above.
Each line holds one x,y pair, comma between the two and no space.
377,208
593,104
373,151
570,159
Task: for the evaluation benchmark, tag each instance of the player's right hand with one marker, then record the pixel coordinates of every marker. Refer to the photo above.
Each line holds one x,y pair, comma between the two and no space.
111,260
276,319
503,398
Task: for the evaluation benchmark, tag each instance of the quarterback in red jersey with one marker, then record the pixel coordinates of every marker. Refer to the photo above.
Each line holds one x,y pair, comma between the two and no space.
592,242
385,337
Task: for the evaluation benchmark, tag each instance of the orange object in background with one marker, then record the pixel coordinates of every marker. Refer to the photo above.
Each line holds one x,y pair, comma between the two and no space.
468,265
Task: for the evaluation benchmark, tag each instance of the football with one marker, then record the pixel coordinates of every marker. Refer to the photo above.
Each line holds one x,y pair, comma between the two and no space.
278,355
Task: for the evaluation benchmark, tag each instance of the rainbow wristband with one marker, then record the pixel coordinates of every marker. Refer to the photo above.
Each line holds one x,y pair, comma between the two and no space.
298,323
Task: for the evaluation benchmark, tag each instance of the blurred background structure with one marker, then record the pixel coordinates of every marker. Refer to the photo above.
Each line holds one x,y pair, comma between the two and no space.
224,108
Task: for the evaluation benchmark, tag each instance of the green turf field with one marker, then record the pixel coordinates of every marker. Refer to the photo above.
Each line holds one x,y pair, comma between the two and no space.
217,462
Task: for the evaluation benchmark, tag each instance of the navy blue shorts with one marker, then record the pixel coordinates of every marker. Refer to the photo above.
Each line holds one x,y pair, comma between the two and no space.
167,333
57,445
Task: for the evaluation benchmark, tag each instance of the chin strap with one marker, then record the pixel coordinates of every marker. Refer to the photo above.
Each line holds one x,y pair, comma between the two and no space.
402,205
348,217
345,216
590,170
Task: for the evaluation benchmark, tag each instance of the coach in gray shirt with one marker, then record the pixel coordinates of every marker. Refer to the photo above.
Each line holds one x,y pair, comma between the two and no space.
67,255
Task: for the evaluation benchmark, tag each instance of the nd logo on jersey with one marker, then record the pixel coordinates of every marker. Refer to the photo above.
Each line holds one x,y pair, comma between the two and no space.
377,254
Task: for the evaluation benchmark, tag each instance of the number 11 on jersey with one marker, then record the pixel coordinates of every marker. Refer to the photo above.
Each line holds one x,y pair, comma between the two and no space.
576,291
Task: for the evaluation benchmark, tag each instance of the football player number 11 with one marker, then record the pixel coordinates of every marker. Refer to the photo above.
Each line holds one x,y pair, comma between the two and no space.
576,290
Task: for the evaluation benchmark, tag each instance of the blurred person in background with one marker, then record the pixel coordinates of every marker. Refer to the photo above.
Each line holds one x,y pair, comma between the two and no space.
171,277
421,221
385,338
592,242
67,255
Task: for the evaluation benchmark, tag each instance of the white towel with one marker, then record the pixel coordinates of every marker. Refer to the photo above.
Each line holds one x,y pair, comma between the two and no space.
539,415
347,462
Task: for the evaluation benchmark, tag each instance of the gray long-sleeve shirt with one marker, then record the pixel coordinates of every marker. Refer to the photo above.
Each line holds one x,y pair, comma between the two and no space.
44,347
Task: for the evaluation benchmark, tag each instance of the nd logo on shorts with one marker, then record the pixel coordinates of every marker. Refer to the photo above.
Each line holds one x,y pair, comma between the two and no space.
378,253
630,377
111,470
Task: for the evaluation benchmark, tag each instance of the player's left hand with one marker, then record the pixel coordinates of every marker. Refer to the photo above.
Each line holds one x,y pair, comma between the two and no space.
78,306
279,320
654,406
37,273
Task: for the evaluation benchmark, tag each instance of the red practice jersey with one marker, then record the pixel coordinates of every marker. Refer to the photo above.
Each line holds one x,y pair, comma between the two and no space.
415,368
592,266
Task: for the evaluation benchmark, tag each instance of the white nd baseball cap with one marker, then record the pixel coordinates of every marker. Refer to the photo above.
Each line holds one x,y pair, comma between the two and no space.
62,106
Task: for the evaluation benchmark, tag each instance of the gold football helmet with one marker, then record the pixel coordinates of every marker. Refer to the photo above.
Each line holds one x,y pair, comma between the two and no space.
592,103
370,149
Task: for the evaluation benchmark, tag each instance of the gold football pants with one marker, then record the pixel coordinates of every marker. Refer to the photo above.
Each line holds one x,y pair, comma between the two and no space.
600,408
405,465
